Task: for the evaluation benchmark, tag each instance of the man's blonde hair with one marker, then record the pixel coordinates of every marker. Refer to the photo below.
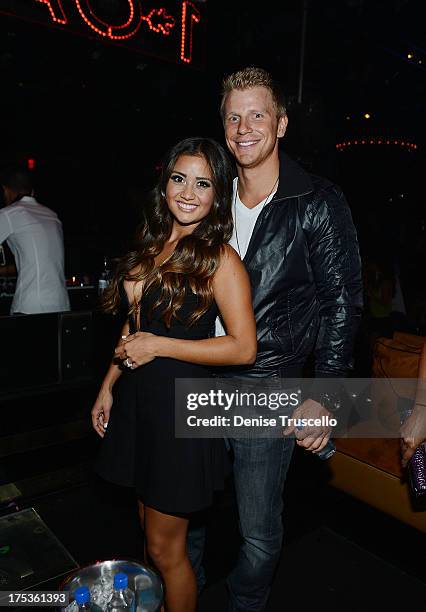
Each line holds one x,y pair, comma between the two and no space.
253,77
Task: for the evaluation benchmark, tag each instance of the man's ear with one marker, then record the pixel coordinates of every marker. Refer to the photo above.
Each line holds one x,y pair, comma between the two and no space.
282,126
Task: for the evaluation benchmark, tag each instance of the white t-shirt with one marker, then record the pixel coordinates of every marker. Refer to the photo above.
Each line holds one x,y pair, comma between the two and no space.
244,221
34,235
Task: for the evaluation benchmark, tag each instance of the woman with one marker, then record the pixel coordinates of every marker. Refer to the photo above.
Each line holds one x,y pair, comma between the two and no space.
413,430
182,275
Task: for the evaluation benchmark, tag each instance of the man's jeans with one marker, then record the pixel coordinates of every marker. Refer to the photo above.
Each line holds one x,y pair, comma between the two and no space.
260,469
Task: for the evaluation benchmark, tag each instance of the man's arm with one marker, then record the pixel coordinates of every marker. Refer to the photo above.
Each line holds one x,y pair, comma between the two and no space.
5,231
336,266
5,226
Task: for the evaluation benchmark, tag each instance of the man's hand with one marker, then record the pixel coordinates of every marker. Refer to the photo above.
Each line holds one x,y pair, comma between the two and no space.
413,433
139,348
311,438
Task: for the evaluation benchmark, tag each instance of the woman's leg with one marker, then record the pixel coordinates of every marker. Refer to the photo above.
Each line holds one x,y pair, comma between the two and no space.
165,537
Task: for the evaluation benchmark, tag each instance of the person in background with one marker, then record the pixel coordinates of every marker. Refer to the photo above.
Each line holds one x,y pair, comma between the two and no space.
379,287
34,235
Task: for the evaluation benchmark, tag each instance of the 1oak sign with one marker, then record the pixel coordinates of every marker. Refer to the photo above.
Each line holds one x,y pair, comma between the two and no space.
169,30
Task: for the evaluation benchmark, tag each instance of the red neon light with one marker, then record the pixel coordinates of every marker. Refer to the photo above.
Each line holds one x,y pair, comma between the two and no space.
31,163
114,32
190,15
56,10
159,21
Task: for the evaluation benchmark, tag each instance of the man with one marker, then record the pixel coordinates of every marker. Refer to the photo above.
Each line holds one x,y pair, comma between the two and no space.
296,237
34,235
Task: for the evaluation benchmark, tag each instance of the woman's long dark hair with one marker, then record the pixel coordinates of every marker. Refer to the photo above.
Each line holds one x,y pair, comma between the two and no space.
196,256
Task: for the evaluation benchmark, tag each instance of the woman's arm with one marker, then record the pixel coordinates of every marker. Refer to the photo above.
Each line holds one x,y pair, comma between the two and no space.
102,406
413,431
231,287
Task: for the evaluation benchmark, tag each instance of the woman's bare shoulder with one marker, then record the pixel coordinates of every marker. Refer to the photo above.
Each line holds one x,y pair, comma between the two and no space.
229,254
230,262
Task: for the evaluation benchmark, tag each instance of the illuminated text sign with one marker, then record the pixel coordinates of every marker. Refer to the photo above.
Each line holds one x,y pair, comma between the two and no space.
171,30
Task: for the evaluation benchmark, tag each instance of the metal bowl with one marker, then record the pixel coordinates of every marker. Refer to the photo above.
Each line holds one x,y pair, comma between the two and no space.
99,577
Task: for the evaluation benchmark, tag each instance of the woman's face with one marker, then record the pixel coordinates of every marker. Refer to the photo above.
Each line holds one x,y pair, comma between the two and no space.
189,192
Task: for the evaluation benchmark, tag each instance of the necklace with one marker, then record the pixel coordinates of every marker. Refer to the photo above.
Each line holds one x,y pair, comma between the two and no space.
137,299
266,201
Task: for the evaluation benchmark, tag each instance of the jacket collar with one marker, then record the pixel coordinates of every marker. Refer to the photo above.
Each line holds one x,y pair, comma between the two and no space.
294,181
24,200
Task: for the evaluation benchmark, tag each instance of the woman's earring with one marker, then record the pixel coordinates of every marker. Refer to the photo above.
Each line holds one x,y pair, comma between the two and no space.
163,194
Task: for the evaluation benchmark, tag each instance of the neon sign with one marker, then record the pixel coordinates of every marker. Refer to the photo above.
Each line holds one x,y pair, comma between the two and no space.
171,30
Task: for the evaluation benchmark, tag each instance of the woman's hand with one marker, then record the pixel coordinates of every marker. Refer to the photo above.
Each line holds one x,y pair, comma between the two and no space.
101,411
413,433
138,348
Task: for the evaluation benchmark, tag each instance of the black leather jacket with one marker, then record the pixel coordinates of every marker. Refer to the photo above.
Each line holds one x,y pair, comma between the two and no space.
305,272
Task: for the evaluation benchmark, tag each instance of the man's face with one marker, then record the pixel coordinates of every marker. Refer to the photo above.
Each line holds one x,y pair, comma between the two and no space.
251,126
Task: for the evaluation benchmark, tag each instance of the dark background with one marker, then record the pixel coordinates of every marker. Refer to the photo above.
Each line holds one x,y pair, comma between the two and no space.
97,117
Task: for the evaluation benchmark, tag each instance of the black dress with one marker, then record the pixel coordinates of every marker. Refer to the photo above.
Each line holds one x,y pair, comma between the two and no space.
172,475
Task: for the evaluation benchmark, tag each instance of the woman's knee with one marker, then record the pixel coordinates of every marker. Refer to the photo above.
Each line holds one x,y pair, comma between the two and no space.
165,554
165,537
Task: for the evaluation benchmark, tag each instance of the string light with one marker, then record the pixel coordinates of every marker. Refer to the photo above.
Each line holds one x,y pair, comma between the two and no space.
410,146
